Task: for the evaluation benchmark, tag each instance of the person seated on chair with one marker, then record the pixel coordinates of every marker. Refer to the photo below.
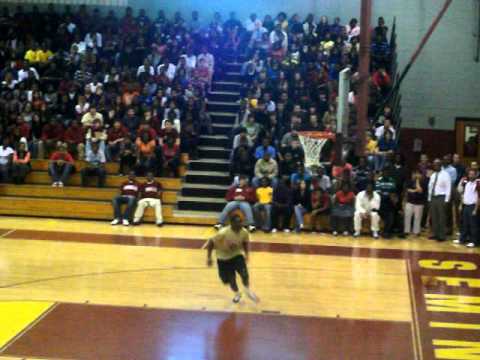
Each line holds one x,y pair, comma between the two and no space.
263,208
75,139
170,157
52,133
239,197
301,202
128,195
242,163
343,210
128,156
95,158
116,134
150,196
146,159
265,167
321,180
301,174
21,163
320,205
282,205
61,166
265,147
367,205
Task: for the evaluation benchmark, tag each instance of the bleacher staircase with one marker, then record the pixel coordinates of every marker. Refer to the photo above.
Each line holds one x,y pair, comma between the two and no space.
207,179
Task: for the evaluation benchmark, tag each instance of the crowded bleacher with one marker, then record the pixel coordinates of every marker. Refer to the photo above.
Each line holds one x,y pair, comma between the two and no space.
81,85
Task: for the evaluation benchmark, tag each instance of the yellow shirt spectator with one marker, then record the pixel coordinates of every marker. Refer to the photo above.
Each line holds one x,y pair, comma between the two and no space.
265,195
372,146
31,56
44,56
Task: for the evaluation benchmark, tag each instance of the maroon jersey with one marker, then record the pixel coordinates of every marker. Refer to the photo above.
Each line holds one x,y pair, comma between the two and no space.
130,188
151,190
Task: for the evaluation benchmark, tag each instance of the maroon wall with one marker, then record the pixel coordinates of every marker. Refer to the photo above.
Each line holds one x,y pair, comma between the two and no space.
435,143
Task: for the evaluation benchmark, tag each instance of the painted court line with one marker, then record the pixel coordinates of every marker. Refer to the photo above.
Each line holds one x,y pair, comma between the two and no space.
8,232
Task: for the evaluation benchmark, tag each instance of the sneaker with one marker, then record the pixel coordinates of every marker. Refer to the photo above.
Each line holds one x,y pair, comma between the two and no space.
471,245
218,226
274,231
251,228
115,222
160,224
251,295
286,231
55,184
356,234
125,222
136,223
335,233
375,235
237,298
457,242
345,233
60,184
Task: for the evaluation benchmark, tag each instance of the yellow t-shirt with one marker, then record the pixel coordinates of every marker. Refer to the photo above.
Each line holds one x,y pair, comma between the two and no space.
264,195
43,56
229,244
31,56
372,146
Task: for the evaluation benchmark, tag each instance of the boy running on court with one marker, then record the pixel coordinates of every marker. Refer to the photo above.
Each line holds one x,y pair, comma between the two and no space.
230,244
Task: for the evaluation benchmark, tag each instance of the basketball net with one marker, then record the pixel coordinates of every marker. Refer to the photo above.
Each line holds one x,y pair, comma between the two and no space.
313,143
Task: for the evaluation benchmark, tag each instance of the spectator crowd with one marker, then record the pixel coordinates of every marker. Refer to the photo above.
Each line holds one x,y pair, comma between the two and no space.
78,84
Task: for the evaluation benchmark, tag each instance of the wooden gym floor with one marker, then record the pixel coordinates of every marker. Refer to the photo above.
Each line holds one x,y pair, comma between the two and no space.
87,290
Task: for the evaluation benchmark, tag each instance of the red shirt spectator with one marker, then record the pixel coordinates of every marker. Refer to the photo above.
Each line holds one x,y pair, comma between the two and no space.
130,188
170,152
246,191
381,78
345,198
118,131
146,129
151,190
53,131
62,156
75,134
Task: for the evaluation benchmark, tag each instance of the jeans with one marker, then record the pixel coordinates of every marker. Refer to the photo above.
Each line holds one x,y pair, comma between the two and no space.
256,182
258,209
300,211
5,173
469,228
99,172
149,202
380,160
415,211
118,201
60,172
244,207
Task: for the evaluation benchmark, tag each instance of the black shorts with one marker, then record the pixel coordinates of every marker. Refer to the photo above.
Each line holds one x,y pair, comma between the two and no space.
227,268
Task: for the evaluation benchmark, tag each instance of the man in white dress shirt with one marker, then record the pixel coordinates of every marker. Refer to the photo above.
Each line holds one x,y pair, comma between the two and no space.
367,204
439,192
469,188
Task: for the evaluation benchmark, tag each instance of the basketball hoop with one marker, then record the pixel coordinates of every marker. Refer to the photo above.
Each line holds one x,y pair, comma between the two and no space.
313,143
